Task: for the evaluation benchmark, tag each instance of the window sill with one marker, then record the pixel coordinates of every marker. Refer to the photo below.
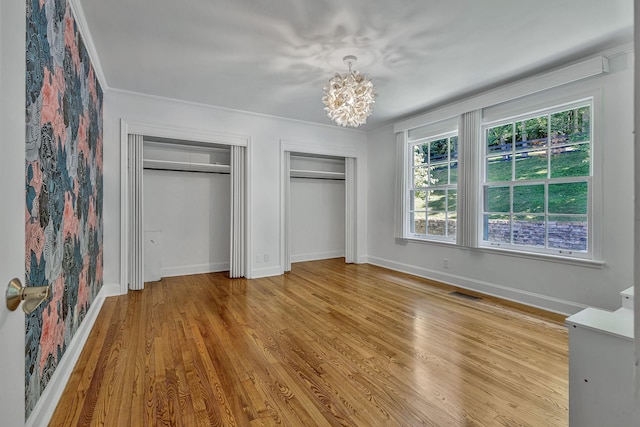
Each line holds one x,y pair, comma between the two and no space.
580,262
449,243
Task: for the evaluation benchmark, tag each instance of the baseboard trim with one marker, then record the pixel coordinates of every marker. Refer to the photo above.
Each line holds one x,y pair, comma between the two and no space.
184,270
532,299
110,290
316,256
43,411
257,273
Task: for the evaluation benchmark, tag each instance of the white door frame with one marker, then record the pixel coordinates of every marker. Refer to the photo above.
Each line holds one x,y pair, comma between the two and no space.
12,216
177,133
324,150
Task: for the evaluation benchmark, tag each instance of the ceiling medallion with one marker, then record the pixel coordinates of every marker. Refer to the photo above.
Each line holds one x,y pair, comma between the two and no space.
349,98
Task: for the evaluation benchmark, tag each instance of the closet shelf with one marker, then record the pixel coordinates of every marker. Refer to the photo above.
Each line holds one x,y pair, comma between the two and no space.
172,165
298,173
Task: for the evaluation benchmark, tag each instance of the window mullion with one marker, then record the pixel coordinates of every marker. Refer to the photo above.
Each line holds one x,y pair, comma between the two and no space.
546,214
548,147
513,152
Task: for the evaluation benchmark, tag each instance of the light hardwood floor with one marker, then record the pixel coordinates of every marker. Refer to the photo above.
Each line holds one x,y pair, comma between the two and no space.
327,344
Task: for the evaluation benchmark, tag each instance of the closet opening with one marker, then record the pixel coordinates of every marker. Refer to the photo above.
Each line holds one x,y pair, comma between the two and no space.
186,212
184,197
319,207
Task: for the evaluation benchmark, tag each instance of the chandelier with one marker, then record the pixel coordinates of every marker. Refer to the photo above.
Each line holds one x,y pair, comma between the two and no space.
349,98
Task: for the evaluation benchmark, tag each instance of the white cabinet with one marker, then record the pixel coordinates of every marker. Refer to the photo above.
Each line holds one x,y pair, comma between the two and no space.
601,369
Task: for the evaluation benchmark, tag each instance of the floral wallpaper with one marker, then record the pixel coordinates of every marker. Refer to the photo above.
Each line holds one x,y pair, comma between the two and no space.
63,185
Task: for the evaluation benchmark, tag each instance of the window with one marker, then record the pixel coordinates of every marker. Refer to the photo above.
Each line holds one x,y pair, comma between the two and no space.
527,181
433,166
536,187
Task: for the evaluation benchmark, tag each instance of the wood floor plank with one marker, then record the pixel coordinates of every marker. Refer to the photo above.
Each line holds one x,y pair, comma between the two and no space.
328,344
84,373
125,390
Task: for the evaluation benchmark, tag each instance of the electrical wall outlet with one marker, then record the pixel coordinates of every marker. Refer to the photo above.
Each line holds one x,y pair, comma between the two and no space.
445,263
267,257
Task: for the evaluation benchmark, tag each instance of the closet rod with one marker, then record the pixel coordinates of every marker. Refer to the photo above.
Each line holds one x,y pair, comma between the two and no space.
170,165
186,170
318,178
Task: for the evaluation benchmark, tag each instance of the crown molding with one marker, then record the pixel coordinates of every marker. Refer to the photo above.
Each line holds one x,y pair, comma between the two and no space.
81,22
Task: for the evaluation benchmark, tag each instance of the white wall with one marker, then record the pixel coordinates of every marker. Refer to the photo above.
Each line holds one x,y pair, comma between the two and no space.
317,219
265,133
192,212
556,286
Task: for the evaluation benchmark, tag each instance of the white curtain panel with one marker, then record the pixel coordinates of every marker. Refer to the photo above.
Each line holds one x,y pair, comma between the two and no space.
401,188
238,212
469,152
287,210
351,227
135,216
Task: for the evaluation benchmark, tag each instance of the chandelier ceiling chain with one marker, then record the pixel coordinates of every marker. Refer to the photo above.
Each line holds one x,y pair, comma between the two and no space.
349,98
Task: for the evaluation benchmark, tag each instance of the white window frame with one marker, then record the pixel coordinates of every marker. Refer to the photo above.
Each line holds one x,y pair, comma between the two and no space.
447,238
592,186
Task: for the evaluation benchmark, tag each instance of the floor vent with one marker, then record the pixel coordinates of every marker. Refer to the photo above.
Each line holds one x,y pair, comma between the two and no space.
465,296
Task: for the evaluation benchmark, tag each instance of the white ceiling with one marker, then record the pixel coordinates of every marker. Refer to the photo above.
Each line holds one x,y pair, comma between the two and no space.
274,57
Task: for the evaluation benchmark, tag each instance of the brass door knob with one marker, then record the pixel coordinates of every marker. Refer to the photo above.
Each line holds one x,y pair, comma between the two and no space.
32,296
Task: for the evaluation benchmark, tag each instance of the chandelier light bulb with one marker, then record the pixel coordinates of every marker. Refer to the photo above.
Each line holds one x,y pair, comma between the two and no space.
349,98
